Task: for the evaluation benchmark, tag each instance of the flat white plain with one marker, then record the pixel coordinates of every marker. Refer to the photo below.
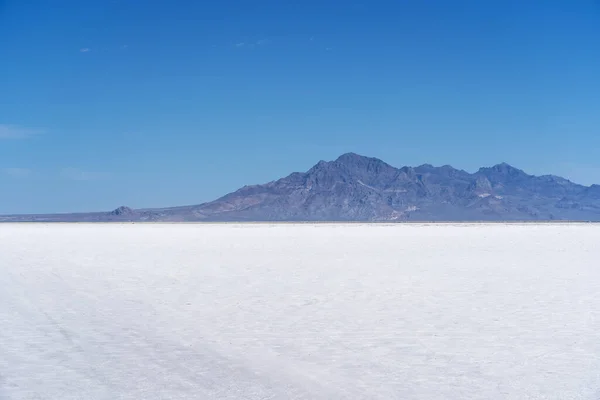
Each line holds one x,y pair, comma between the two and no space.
306,311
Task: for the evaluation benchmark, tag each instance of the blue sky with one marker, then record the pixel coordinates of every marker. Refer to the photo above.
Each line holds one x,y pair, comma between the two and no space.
159,103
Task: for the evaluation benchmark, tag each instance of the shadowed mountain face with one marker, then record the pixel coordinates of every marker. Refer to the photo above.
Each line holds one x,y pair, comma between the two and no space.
357,188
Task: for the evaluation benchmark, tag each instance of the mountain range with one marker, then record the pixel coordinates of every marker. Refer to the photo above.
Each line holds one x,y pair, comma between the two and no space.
359,188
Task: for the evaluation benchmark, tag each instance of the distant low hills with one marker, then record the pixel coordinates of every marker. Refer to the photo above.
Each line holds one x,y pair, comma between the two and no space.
358,188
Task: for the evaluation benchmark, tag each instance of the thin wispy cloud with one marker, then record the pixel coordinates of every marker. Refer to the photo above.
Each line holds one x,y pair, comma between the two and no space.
17,132
85,50
77,174
260,42
15,172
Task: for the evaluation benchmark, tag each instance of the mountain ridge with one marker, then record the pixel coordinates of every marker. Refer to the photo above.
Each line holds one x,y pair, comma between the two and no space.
359,188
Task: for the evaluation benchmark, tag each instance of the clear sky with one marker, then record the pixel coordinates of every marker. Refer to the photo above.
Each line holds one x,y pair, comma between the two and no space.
160,103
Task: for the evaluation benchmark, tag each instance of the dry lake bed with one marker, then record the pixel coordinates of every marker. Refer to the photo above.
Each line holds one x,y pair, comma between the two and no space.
306,311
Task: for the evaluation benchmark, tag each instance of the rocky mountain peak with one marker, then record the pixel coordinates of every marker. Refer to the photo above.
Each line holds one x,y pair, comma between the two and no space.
353,161
123,210
351,158
502,173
